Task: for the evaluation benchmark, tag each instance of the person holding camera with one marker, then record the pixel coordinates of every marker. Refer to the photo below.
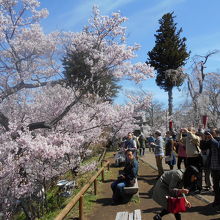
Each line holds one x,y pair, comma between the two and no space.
193,152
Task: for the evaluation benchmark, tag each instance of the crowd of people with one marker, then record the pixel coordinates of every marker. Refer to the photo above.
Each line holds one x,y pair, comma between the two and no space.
190,155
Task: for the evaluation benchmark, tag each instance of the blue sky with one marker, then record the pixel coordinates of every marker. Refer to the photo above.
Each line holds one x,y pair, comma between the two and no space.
200,20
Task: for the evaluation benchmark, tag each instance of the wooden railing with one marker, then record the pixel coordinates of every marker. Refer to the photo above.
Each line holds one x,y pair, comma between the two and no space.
80,194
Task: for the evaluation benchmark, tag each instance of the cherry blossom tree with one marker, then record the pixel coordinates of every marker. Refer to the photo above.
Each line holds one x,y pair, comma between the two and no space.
156,117
211,99
196,82
204,92
30,57
36,158
34,94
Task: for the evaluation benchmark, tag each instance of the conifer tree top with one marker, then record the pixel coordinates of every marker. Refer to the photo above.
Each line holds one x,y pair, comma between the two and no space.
169,53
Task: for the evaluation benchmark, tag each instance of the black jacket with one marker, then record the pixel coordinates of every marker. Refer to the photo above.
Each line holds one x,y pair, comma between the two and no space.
131,170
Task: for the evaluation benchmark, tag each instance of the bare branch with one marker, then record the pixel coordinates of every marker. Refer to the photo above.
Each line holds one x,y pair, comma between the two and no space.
23,85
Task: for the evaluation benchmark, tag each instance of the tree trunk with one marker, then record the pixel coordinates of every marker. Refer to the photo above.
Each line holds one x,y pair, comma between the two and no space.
170,101
152,117
4,121
197,113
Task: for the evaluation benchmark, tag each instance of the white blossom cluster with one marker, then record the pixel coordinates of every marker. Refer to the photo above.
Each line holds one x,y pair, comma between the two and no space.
30,91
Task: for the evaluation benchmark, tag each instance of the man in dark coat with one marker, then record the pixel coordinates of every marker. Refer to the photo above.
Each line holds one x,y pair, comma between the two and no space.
214,164
127,178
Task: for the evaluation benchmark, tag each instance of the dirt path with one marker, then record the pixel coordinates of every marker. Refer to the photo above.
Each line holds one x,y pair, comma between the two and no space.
103,210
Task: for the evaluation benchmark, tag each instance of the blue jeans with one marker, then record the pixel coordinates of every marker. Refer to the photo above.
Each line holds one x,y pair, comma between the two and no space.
118,189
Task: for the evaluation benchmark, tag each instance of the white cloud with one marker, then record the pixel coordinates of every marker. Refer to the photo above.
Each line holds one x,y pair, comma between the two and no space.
163,6
149,15
109,5
82,12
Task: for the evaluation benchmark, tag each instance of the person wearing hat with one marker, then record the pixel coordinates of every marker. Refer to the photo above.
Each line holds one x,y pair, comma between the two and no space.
158,151
193,151
174,183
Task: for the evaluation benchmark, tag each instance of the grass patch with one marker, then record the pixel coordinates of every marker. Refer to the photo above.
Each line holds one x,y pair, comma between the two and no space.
135,199
57,203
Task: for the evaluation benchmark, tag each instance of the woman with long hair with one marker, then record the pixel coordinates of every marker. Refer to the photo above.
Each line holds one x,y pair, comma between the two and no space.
174,183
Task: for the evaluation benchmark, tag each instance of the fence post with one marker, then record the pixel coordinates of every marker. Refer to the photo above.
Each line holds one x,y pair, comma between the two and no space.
79,196
95,186
108,166
103,177
81,208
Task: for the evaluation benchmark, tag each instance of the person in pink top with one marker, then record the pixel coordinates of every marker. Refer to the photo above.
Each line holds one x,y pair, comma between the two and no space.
181,151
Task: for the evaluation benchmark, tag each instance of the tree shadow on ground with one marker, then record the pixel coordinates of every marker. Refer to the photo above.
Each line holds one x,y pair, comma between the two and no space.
152,210
103,201
112,165
108,181
208,193
148,179
146,195
206,210
151,181
72,218
148,176
108,201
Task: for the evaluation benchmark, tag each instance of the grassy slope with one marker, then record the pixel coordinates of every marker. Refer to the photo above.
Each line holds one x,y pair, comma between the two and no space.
57,203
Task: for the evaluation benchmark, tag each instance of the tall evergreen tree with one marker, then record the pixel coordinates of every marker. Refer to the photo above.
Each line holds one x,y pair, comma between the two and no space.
168,56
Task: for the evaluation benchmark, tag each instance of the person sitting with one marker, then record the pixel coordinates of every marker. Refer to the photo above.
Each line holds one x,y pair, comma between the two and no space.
127,178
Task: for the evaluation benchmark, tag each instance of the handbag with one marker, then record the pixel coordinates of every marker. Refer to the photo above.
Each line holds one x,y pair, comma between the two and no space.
176,204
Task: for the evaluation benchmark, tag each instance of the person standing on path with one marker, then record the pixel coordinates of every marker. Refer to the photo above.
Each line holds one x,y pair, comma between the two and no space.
173,183
181,152
159,151
193,152
170,158
130,143
205,152
142,143
214,164
150,140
